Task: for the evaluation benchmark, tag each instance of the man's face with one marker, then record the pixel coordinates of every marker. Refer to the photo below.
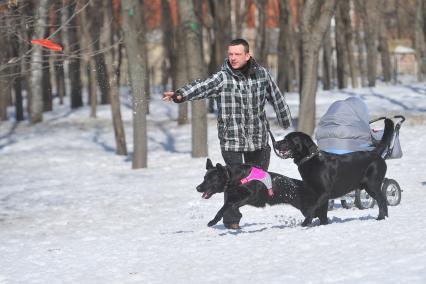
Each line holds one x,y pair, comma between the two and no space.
237,56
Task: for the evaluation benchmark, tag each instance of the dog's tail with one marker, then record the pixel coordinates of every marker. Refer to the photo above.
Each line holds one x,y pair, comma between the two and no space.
386,138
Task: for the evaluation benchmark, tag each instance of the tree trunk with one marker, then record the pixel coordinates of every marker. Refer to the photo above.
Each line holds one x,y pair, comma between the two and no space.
61,38
132,18
316,21
15,51
360,44
182,76
195,61
46,84
384,52
341,52
346,18
239,8
111,60
419,39
285,49
221,23
74,62
175,53
36,102
327,62
369,13
89,58
261,43
96,22
3,71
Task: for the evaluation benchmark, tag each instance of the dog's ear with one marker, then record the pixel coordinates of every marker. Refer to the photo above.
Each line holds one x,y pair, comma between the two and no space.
209,164
222,170
309,143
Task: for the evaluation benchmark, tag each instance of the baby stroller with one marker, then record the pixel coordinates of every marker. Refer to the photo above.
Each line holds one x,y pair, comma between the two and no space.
390,187
345,128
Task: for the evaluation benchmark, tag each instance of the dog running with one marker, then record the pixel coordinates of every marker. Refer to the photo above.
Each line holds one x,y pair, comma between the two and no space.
248,185
328,176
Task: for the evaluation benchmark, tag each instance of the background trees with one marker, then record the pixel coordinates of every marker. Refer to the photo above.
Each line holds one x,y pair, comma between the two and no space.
153,45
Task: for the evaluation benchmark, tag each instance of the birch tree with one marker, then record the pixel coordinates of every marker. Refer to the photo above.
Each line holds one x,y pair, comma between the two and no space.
36,101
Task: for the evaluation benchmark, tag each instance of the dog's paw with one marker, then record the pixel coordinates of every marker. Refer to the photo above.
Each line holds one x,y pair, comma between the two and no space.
232,226
307,222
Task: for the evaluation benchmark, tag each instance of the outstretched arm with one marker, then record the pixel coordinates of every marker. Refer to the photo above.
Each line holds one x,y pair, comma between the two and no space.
196,90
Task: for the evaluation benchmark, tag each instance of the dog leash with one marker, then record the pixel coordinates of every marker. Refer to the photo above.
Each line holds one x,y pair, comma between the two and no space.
273,140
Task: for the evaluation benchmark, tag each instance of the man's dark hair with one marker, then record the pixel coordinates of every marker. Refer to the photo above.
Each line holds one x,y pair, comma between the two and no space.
240,41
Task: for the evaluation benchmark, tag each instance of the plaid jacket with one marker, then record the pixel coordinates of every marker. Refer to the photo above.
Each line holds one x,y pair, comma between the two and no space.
240,100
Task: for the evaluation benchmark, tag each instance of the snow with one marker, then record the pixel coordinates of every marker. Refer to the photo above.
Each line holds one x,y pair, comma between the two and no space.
71,211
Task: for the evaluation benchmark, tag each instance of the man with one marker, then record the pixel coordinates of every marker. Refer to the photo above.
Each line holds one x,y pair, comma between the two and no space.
241,89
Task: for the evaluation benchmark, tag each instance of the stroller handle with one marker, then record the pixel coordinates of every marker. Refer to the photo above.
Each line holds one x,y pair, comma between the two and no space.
401,117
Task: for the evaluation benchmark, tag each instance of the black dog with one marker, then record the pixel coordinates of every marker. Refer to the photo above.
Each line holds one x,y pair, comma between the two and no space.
228,178
328,176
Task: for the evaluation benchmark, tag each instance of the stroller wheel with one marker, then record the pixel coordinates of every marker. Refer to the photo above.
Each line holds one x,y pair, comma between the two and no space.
392,191
363,200
348,201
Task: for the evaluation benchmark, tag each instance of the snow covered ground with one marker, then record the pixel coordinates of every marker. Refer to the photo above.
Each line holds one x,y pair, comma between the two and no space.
71,211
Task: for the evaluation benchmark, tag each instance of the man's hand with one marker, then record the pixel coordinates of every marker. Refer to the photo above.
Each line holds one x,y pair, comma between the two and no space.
168,96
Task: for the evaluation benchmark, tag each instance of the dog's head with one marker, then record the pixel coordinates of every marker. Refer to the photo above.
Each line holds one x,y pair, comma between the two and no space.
215,180
296,145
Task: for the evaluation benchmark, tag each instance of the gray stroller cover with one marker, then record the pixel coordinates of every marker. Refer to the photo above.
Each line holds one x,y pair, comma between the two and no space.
345,127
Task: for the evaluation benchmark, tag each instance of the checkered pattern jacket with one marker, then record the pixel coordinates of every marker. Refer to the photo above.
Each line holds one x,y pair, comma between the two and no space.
240,100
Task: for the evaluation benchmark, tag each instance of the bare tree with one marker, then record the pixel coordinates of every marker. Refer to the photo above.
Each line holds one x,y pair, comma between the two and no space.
74,60
182,76
133,28
110,44
286,49
384,51
327,62
341,50
369,13
46,84
89,55
360,48
419,39
58,62
316,20
169,44
36,102
195,63
3,71
349,42
95,26
222,24
261,42
239,8
16,16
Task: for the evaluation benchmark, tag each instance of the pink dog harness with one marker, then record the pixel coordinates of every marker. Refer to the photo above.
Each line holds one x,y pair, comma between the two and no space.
260,175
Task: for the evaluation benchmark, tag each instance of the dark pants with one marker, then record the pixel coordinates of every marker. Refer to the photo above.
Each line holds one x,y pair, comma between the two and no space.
258,158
